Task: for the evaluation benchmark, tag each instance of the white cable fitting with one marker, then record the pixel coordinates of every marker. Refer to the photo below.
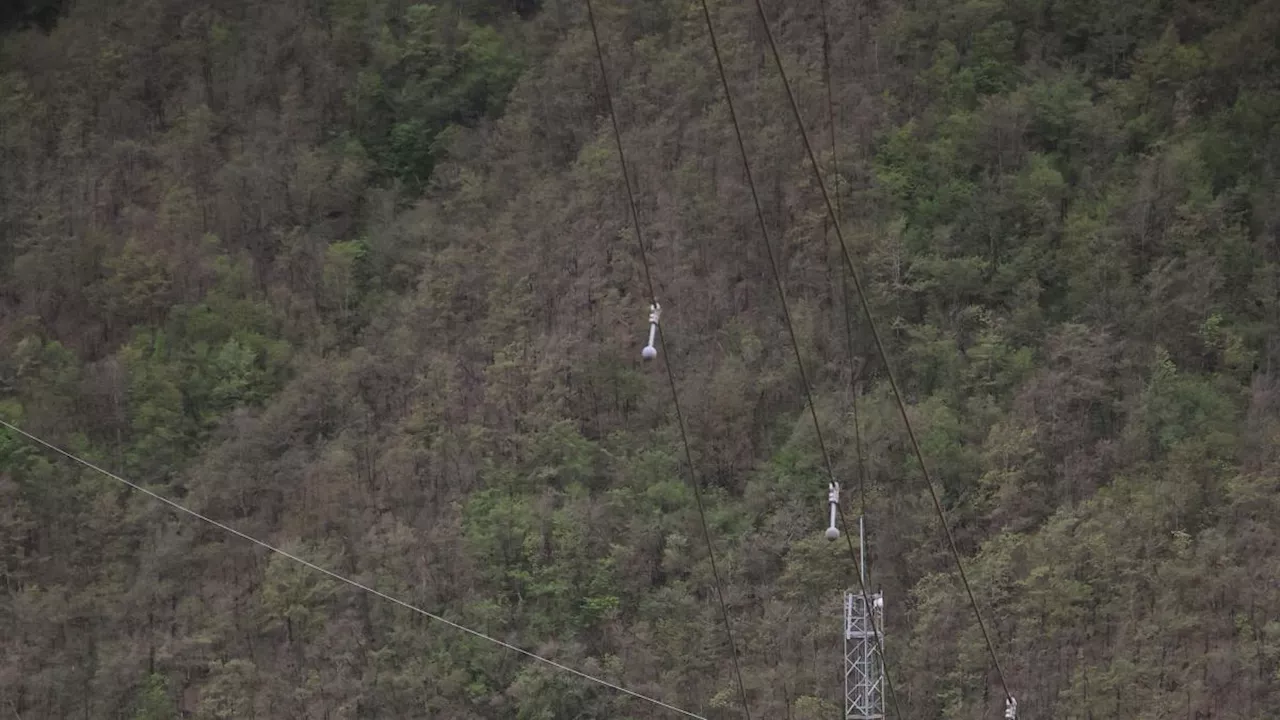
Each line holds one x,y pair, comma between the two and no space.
650,352
833,501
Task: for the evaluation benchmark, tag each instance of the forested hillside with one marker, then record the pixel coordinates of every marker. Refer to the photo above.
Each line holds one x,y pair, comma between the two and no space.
358,278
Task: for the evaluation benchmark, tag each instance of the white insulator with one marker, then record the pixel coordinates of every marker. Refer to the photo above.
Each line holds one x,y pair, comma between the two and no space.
1010,709
833,500
650,352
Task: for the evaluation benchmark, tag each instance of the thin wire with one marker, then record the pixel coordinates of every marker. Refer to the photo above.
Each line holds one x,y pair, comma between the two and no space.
854,373
857,443
344,579
831,112
786,314
671,380
875,333
844,290
854,369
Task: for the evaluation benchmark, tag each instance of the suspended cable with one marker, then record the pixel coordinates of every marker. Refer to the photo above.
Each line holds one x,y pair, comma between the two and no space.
671,380
854,373
831,111
854,368
844,290
786,315
341,578
875,334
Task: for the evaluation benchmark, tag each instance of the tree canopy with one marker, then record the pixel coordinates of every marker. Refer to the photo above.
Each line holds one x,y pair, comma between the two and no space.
358,278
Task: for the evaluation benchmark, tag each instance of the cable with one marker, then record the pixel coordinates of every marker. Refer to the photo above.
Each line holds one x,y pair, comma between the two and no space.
341,578
786,314
853,392
854,367
831,112
844,290
875,333
671,380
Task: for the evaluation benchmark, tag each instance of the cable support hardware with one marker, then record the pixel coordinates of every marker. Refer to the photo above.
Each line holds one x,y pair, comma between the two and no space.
650,352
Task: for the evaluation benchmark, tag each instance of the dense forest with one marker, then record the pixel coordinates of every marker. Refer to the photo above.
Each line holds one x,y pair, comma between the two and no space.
358,278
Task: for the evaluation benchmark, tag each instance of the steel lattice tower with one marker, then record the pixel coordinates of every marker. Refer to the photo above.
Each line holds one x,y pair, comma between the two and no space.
863,662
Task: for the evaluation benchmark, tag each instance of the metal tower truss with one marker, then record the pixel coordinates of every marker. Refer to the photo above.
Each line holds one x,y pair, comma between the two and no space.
863,661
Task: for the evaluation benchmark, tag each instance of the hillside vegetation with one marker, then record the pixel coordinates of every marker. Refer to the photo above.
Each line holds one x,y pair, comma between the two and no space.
357,277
